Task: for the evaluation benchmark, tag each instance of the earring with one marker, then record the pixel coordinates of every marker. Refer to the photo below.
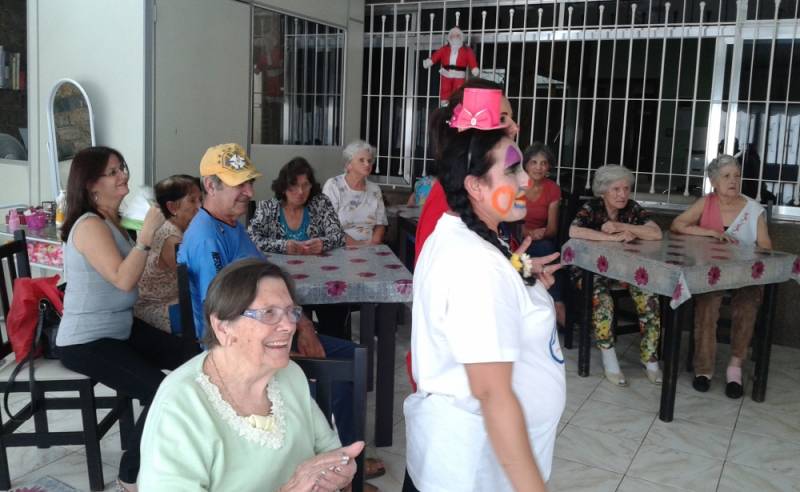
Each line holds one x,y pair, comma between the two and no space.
94,196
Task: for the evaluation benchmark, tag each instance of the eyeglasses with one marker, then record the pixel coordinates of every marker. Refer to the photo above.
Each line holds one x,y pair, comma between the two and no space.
272,315
122,169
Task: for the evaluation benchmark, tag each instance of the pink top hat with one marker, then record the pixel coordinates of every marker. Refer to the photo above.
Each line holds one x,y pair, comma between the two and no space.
480,110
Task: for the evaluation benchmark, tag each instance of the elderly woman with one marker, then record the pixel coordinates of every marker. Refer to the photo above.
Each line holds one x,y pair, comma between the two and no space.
300,220
541,219
487,362
240,416
179,199
613,216
357,201
729,216
98,335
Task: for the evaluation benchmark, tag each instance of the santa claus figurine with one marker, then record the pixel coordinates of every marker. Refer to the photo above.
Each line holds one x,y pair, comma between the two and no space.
455,59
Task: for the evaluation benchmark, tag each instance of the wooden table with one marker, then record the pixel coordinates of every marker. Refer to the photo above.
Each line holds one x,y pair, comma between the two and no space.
373,277
676,268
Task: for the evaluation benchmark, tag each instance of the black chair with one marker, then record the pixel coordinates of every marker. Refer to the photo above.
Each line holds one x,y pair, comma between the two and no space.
185,303
322,373
52,376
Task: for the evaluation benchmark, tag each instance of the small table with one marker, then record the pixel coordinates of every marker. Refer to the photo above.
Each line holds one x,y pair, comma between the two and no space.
44,246
375,278
676,268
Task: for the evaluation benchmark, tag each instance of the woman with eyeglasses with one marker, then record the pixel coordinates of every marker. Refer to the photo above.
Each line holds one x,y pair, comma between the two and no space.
240,416
98,335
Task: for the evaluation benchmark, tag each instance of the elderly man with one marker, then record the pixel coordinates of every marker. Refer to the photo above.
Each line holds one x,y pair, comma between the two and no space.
215,238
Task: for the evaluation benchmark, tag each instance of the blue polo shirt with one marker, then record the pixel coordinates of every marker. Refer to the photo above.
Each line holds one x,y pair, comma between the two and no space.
208,246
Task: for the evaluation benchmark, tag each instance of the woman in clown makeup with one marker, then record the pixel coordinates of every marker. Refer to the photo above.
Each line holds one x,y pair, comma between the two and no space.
488,366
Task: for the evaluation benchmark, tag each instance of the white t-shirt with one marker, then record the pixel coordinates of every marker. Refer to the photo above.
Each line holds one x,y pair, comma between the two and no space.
359,211
470,306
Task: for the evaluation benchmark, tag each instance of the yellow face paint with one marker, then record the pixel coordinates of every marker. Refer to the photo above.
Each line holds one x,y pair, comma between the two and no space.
503,199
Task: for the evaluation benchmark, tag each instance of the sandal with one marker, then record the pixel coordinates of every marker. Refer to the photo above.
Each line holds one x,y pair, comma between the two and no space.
373,468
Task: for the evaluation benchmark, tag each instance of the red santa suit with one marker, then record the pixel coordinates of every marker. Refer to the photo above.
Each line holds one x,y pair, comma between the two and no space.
454,65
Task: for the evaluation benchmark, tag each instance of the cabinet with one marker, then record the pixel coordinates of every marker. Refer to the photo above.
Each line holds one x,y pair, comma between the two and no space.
44,247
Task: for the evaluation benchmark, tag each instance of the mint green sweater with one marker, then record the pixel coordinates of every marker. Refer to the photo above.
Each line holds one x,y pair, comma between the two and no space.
194,441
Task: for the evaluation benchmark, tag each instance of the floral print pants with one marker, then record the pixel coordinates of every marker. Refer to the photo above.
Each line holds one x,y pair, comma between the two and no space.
647,308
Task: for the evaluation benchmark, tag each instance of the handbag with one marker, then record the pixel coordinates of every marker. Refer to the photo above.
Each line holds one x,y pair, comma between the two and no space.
40,341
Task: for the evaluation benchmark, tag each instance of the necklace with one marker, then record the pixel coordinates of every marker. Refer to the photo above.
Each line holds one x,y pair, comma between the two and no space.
236,405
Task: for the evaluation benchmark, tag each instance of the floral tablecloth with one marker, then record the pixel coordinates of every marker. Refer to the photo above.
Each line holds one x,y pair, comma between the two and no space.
348,275
407,211
680,265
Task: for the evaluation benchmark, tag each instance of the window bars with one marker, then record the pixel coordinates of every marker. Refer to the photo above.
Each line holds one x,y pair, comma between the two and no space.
658,86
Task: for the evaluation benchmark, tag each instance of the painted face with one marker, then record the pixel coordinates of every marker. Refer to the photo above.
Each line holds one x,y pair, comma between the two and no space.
234,200
617,195
728,181
537,167
361,164
297,194
261,345
185,209
507,115
506,184
112,186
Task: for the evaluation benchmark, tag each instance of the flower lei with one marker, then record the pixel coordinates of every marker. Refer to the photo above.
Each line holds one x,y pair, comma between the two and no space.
522,264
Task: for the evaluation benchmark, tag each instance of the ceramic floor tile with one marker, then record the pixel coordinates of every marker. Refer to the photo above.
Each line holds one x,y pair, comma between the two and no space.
739,478
768,453
640,394
594,448
576,477
757,419
700,408
71,470
676,469
627,423
24,460
632,484
690,437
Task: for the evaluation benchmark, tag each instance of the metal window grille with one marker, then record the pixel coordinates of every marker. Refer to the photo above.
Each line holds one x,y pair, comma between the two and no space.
660,87
297,80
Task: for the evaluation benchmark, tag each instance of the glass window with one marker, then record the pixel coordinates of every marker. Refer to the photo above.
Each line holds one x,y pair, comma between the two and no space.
297,80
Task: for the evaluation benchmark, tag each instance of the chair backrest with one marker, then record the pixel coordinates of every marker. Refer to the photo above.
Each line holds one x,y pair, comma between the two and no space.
571,202
14,263
185,303
322,373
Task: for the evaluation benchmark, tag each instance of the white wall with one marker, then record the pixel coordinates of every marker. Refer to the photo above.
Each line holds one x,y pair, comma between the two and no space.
202,71
101,46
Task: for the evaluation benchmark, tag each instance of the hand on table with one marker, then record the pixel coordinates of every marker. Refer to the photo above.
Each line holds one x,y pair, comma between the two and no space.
624,236
612,227
310,247
724,238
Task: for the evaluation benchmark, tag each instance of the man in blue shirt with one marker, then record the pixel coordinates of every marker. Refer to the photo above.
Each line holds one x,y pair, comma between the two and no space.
216,238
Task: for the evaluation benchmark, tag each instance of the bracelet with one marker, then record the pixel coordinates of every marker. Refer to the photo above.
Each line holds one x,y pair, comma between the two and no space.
142,247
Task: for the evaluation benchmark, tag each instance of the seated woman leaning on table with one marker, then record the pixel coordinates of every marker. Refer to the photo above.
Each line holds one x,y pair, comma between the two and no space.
179,199
358,201
300,220
240,416
729,216
613,216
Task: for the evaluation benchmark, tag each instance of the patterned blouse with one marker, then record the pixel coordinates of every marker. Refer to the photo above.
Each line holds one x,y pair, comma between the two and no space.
158,287
593,214
269,235
359,211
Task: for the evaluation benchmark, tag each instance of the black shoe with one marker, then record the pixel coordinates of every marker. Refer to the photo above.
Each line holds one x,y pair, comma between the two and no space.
701,383
734,390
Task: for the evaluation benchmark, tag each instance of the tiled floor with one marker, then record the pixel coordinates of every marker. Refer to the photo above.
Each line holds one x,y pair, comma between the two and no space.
610,438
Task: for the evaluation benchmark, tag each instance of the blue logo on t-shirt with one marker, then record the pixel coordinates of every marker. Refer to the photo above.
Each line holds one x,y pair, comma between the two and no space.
555,347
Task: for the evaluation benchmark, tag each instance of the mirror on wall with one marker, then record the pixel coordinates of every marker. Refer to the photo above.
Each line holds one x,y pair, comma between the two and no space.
71,126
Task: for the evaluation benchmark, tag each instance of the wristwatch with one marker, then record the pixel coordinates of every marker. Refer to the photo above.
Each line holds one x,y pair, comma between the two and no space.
142,247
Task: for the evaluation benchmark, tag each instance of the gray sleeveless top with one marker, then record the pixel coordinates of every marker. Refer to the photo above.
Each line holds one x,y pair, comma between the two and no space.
93,307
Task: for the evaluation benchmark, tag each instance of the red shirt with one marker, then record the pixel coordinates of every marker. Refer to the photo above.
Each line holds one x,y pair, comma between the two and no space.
435,206
536,216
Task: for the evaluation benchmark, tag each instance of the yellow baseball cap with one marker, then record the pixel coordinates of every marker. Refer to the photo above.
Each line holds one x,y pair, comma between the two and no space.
230,163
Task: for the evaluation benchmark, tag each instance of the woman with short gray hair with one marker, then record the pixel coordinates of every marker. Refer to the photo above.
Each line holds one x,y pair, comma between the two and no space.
358,201
729,216
613,216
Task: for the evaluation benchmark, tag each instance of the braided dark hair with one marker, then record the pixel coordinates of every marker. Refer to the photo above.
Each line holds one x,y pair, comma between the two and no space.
467,154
